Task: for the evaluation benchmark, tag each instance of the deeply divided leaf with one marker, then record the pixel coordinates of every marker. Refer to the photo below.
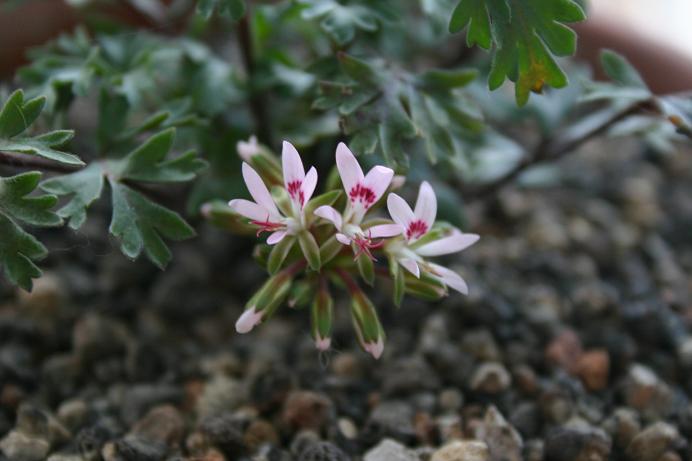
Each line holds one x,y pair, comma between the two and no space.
18,248
527,36
16,117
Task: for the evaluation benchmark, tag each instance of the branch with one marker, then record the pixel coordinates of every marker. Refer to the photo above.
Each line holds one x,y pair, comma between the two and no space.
257,103
551,149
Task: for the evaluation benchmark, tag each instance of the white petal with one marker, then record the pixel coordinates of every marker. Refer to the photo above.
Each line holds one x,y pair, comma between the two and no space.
384,230
453,243
330,214
291,164
426,205
258,190
249,209
323,343
378,180
375,349
343,238
349,170
399,210
411,266
450,278
309,184
276,237
247,321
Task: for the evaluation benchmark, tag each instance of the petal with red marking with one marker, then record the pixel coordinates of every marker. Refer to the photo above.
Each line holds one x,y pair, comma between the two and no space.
291,164
349,170
426,204
399,210
309,184
378,180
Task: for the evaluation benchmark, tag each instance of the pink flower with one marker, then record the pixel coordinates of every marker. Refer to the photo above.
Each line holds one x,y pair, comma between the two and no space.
363,192
263,212
417,224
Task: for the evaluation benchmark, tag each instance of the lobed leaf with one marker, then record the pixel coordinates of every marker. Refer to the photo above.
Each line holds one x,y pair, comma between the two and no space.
18,248
527,35
17,116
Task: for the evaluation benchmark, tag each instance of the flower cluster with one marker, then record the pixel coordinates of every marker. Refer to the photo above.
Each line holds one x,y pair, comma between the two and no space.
309,237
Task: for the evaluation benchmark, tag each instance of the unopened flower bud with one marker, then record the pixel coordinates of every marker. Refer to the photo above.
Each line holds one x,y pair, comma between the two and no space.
367,324
267,299
248,149
261,159
425,287
322,314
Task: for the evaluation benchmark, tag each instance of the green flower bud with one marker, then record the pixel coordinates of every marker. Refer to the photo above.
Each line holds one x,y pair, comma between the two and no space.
367,324
425,287
266,300
302,293
322,315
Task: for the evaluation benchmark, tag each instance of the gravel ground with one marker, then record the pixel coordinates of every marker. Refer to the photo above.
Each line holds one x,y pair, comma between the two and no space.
574,343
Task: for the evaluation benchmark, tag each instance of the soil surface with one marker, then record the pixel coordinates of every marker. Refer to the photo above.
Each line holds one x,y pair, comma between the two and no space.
574,343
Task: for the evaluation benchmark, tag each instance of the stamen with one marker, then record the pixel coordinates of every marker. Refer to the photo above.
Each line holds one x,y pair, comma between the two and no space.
365,245
266,226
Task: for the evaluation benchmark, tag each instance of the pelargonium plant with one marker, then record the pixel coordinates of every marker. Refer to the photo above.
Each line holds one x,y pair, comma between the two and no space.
335,247
140,120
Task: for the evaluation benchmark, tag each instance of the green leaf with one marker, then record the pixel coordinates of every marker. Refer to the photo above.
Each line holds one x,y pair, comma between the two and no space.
86,186
527,34
148,162
15,203
235,9
620,70
442,80
18,249
16,116
472,13
341,20
139,224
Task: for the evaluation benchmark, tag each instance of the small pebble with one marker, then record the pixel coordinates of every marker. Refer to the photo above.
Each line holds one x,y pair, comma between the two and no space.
490,378
462,450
